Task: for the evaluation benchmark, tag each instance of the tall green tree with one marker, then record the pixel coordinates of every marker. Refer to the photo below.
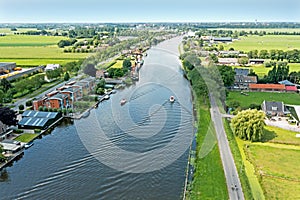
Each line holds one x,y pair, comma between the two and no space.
8,116
5,84
127,64
227,73
249,125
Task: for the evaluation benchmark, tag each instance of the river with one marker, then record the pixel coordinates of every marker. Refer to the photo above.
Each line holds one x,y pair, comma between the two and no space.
135,151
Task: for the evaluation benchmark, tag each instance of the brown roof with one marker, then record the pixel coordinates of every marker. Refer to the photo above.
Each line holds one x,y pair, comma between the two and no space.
267,86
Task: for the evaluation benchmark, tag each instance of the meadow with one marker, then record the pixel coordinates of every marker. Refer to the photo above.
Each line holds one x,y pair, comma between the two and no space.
259,97
35,50
268,30
271,172
266,42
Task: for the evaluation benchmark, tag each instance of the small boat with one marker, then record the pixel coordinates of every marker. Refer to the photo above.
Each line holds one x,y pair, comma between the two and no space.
123,101
28,145
106,97
172,99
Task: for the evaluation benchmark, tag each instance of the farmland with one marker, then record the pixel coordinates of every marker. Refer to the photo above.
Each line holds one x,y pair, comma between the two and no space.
267,42
35,50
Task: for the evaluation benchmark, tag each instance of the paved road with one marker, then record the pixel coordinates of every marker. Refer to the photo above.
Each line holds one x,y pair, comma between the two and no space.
232,179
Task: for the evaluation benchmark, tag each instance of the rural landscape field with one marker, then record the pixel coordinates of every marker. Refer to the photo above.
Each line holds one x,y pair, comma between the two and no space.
181,100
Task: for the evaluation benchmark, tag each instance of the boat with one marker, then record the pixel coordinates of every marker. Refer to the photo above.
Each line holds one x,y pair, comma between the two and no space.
123,101
106,97
172,99
28,145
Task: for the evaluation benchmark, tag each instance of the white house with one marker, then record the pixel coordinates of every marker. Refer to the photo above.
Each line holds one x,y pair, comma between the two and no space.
52,67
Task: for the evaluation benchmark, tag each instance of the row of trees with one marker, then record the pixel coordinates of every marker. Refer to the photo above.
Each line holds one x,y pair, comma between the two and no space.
291,55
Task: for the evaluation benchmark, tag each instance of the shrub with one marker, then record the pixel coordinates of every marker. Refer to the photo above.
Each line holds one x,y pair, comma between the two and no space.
18,131
21,107
28,103
37,130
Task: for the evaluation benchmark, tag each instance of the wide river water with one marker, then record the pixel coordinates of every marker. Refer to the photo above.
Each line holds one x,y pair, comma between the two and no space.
135,151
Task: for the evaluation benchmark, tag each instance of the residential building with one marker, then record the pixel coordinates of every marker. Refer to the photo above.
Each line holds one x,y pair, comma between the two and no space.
256,61
242,82
273,108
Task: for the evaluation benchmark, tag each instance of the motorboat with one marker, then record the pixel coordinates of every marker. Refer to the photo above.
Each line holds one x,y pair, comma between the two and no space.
123,101
172,99
106,97
28,145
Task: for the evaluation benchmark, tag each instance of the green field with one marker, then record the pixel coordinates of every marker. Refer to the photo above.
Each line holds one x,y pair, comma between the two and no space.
281,136
279,172
267,42
209,179
35,50
259,97
19,30
26,137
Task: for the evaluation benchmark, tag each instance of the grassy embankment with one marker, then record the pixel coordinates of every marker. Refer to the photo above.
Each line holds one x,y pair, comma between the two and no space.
259,97
30,50
272,162
209,180
26,137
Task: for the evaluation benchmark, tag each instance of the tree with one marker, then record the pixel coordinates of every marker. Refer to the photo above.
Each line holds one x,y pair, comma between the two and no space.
8,116
191,61
90,70
127,64
227,74
249,125
66,76
5,84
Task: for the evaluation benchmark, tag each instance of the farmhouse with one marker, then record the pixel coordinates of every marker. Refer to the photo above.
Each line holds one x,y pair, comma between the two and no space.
242,82
273,108
267,87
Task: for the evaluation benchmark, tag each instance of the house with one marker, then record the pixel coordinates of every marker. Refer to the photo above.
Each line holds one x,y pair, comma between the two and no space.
50,67
267,87
241,71
273,108
11,146
242,82
58,101
228,61
38,120
256,61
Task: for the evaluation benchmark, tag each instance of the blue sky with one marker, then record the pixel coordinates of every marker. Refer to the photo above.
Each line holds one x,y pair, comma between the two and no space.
148,11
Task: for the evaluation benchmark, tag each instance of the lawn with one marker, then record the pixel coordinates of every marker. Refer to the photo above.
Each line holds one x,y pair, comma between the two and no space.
35,50
278,169
267,42
259,97
26,137
281,136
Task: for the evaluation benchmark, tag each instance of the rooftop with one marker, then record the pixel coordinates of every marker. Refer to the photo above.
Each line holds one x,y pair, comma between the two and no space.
267,86
39,114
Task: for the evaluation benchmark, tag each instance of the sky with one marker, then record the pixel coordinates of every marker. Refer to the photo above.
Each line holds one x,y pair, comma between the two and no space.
35,11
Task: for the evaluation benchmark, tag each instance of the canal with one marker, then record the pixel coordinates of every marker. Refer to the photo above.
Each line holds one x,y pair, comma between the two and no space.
134,151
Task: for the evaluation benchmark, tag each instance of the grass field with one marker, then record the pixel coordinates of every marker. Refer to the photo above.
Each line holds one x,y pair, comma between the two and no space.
35,50
278,171
274,163
19,30
209,179
118,64
26,137
267,42
259,97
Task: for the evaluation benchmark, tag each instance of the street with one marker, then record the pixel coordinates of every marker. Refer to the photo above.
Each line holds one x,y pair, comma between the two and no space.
232,179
